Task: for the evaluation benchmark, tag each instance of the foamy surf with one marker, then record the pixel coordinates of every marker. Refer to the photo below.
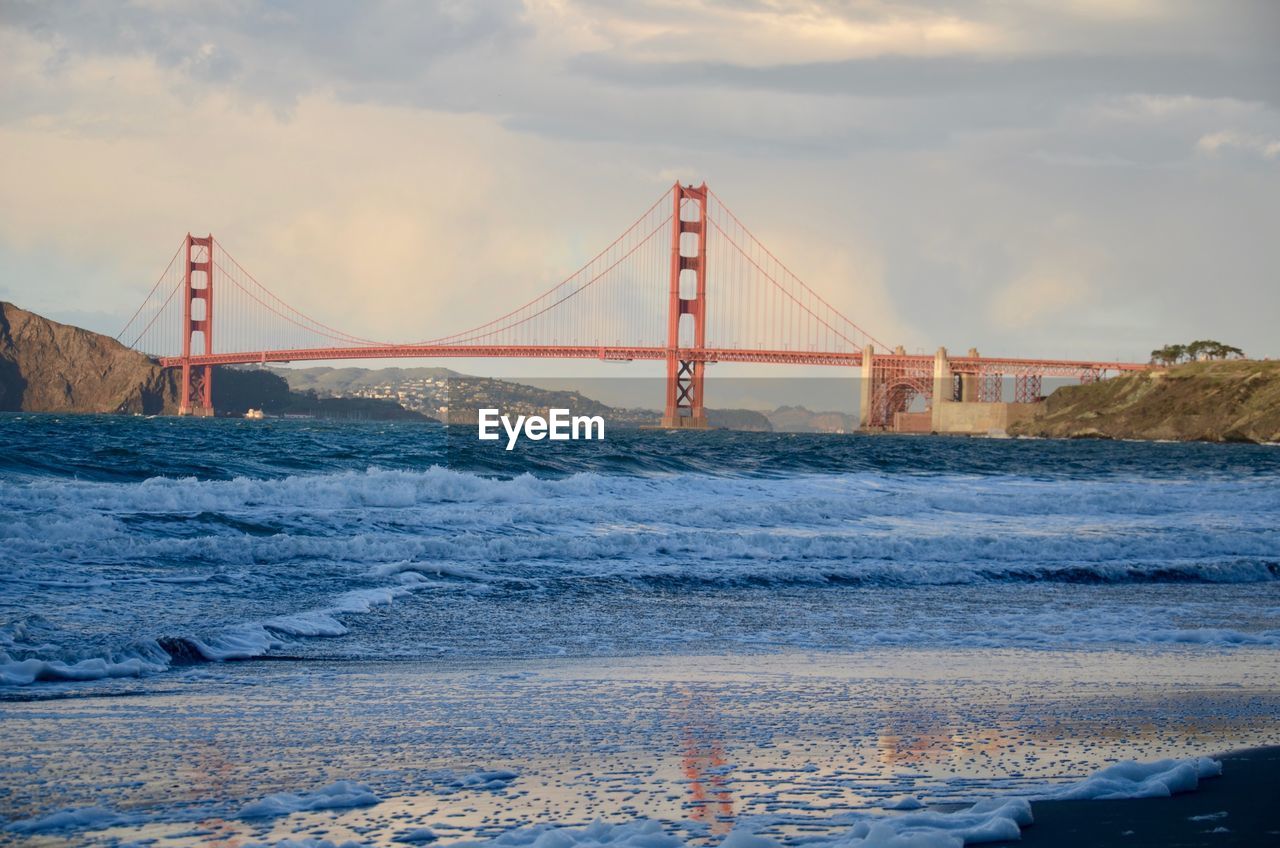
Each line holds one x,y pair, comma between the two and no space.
526,565
990,819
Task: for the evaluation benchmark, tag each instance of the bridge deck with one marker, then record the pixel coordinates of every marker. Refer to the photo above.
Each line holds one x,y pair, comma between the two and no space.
626,354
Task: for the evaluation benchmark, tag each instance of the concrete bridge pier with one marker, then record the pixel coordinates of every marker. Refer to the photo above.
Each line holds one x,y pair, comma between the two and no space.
864,391
943,383
960,410
969,382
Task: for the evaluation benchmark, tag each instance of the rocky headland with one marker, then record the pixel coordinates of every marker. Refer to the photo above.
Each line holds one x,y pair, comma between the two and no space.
50,367
46,366
1222,401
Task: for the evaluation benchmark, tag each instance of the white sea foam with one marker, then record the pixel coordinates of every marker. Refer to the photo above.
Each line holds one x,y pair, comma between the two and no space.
903,802
27,671
987,821
485,780
993,819
438,530
417,836
243,642
1129,779
997,818
309,842
239,642
341,795
73,819
856,527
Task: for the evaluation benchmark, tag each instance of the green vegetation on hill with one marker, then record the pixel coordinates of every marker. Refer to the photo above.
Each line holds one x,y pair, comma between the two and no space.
1236,400
346,381
237,390
1171,354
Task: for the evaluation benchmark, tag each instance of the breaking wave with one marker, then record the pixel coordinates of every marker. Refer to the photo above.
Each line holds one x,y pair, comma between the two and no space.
422,562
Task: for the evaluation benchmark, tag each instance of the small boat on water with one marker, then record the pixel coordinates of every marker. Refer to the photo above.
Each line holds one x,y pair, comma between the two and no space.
254,413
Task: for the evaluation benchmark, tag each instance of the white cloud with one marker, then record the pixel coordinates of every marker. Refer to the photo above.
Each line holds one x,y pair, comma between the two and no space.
1214,143
761,34
1038,299
411,178
387,221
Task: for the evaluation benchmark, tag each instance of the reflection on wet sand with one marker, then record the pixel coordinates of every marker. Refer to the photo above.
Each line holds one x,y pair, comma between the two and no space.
710,799
698,744
212,775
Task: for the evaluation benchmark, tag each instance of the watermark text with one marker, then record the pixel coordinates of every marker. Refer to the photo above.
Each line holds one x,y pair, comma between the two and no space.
558,426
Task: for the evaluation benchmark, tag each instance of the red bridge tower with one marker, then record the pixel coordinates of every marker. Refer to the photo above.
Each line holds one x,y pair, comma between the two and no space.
688,297
197,381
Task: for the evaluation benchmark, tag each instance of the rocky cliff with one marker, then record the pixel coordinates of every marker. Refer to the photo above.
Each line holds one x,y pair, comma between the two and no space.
1206,401
50,367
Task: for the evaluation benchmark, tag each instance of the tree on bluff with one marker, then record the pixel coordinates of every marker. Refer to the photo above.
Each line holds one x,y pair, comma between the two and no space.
1169,354
1209,349
1200,349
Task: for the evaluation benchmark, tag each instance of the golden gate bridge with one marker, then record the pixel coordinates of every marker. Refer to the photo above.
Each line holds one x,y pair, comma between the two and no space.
687,284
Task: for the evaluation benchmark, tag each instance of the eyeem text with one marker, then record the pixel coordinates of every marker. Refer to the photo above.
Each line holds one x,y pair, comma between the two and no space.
558,426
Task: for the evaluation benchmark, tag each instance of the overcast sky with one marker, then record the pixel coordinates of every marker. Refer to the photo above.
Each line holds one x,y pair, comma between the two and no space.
1085,178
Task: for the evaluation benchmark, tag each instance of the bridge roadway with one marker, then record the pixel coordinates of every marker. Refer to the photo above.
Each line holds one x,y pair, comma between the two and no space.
1047,367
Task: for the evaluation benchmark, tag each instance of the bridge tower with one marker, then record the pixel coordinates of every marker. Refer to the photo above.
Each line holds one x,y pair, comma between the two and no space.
684,407
197,285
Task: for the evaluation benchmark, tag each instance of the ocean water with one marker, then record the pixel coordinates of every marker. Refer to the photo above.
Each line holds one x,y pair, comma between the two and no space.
133,550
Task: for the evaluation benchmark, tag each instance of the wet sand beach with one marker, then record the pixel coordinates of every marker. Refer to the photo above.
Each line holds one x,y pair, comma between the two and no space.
785,746
1240,808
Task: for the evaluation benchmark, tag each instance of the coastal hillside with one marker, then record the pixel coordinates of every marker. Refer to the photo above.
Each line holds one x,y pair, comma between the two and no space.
236,390
351,382
449,395
50,367
798,419
46,366
1231,401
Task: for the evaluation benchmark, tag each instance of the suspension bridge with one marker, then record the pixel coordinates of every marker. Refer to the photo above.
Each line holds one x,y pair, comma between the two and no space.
687,284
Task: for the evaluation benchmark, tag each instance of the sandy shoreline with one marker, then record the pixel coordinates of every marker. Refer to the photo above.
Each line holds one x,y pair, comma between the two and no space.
1242,807
787,745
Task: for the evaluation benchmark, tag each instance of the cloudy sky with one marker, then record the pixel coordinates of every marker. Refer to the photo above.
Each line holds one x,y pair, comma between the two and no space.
1085,178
